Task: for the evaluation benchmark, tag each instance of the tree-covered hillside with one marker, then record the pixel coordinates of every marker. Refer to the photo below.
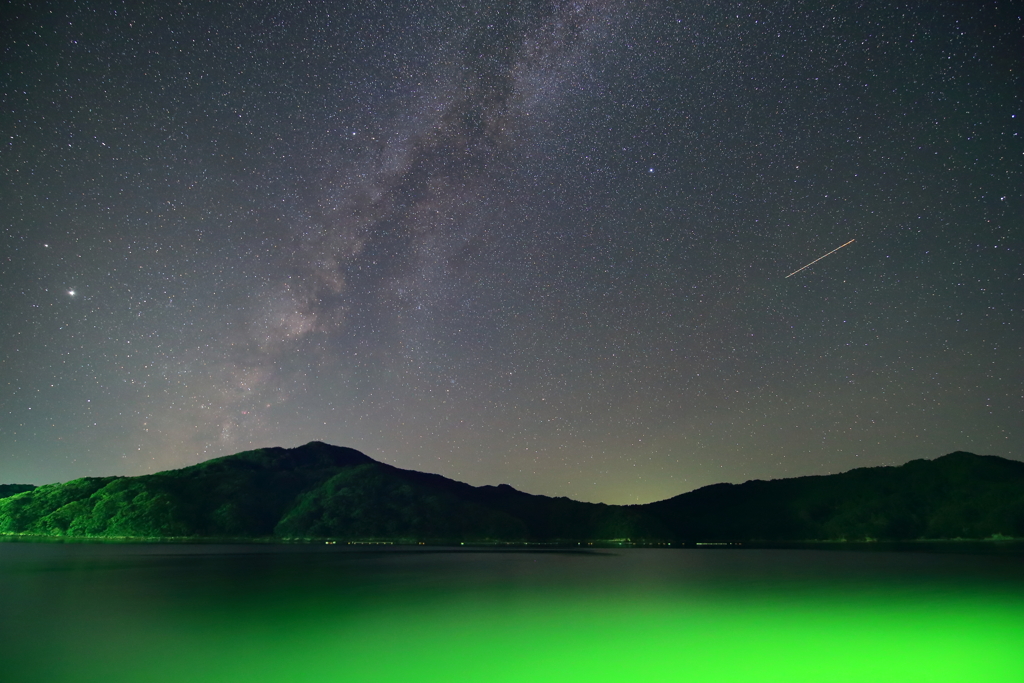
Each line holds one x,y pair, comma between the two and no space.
960,495
323,491
316,490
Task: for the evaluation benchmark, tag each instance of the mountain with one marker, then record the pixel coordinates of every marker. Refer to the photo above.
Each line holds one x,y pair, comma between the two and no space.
324,491
960,495
316,490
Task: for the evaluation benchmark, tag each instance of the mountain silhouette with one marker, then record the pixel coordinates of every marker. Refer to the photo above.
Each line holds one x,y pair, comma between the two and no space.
319,491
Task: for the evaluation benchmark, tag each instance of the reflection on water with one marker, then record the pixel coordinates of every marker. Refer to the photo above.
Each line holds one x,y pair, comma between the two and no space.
331,613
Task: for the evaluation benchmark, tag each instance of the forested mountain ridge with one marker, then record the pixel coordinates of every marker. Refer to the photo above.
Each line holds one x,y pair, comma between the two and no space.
324,491
960,495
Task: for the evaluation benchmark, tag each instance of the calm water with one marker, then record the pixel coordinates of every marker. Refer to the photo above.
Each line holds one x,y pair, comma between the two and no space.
151,613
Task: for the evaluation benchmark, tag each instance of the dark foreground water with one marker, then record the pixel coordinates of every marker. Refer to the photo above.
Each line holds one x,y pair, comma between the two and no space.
151,613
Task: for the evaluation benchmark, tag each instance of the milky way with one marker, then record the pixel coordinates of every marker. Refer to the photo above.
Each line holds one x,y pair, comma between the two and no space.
539,243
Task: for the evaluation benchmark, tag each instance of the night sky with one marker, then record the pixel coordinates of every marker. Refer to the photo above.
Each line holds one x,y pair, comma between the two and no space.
537,243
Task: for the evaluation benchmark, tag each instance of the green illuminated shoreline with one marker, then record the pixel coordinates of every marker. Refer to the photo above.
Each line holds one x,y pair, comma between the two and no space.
1004,546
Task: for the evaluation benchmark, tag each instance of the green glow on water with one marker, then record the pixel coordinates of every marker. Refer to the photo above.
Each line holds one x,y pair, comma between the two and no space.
450,623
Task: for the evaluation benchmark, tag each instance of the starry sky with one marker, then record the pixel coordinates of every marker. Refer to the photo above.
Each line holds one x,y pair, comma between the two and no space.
539,243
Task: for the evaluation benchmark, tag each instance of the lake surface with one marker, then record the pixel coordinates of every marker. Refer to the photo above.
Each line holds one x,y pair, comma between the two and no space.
153,613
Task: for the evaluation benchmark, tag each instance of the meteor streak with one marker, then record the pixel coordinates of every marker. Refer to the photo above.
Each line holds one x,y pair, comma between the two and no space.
818,259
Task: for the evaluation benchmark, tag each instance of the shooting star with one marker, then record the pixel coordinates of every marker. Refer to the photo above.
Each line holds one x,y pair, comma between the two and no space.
818,259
